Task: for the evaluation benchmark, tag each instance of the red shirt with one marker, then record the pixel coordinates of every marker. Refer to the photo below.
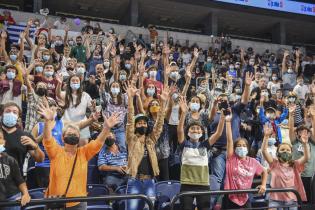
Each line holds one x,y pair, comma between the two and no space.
51,85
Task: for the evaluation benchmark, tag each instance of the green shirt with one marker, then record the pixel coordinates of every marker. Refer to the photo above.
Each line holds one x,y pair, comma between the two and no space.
79,53
298,152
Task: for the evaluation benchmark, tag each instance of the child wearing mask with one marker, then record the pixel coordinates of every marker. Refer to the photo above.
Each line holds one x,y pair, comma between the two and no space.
194,169
11,181
240,171
285,172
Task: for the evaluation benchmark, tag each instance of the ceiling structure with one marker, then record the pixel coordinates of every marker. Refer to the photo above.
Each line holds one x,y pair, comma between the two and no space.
191,14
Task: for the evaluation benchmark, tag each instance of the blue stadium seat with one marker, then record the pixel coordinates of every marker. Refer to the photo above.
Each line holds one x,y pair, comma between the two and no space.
36,194
165,191
120,205
94,190
100,207
94,176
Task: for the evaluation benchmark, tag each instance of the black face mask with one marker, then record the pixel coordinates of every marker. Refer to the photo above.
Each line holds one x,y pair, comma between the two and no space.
41,91
59,114
109,141
71,139
141,130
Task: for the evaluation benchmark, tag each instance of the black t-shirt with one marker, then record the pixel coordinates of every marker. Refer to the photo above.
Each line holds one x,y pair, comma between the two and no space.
145,166
10,176
15,148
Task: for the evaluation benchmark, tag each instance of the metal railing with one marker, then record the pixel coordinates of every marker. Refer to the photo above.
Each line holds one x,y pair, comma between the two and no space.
80,199
225,192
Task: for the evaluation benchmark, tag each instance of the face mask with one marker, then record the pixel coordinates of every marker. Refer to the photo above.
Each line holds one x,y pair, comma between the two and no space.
231,68
237,66
175,97
263,93
238,97
301,83
46,58
154,109
241,151
170,57
285,122
80,70
150,91
194,107
115,91
270,115
145,75
257,110
9,119
41,91
49,73
238,91
291,99
75,86
79,43
128,66
271,141
2,148
10,75
223,63
251,63
219,85
195,136
284,156
13,57
274,78
97,57
174,75
106,64
71,139
71,43
141,130
58,43
153,74
39,69
209,60
109,141
290,71
122,77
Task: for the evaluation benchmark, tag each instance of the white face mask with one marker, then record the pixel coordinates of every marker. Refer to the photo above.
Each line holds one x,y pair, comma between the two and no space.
195,136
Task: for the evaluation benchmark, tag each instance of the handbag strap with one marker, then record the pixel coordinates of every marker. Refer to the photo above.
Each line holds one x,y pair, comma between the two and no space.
72,170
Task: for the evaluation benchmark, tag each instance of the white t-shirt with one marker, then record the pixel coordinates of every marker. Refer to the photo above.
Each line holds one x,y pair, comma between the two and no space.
273,87
8,96
301,91
174,117
76,114
60,25
186,58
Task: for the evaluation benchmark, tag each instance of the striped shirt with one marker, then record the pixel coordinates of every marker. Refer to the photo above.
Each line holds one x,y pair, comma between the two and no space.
106,157
195,170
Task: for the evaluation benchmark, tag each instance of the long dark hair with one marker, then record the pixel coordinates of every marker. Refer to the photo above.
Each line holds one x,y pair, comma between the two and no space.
119,96
69,98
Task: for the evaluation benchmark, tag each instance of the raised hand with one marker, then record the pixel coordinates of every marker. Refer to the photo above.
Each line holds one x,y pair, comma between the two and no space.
196,52
312,110
111,121
45,111
131,90
4,35
143,53
95,116
59,78
22,35
183,104
268,130
165,93
304,137
249,78
188,72
298,53
113,51
292,108
286,53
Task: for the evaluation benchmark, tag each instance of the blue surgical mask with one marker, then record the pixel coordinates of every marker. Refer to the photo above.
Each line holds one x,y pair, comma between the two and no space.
46,58
80,70
153,74
39,69
194,107
115,91
271,141
9,119
122,77
13,57
2,148
174,75
241,151
75,86
150,91
128,66
49,73
10,75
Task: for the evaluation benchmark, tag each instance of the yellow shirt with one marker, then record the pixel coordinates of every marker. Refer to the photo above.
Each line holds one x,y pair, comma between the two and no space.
60,168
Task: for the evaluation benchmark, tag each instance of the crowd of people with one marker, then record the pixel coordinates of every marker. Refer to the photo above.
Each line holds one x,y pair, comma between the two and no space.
158,111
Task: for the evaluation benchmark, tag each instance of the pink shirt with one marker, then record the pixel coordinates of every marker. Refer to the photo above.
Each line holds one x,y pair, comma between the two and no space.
286,177
239,176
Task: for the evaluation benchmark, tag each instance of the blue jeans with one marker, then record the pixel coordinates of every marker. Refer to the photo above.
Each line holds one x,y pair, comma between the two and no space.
135,186
274,204
13,198
120,135
217,174
113,181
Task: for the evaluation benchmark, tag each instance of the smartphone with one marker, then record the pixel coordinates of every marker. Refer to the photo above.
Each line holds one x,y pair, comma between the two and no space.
226,112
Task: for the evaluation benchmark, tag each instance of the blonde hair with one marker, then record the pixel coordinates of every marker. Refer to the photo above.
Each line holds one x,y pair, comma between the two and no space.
70,126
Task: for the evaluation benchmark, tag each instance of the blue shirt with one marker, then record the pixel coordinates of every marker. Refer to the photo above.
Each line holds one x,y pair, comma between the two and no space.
105,157
235,123
56,133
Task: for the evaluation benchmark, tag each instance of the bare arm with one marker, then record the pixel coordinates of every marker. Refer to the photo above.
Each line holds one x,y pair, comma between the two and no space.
248,82
306,147
284,67
180,127
213,139
291,123
229,145
264,146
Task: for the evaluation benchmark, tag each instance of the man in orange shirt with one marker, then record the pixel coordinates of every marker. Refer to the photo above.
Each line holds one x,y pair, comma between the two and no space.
63,158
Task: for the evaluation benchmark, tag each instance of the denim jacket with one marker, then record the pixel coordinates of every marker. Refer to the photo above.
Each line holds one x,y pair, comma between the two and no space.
136,147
